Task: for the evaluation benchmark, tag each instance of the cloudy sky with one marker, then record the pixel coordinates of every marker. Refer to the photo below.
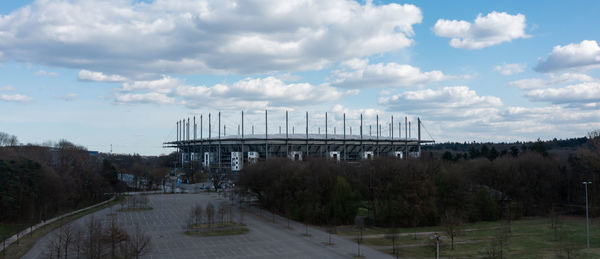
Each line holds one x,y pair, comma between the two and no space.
122,72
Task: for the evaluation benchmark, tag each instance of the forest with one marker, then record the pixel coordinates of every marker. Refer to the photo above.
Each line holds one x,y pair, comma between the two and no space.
478,182
481,184
38,182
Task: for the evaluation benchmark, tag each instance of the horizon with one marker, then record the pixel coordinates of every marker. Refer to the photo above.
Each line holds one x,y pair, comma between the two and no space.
122,73
52,144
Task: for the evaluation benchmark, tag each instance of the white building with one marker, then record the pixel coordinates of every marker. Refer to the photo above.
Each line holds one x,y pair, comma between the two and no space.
334,155
295,155
237,161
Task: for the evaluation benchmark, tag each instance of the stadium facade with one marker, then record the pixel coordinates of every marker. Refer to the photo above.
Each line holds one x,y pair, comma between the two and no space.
232,152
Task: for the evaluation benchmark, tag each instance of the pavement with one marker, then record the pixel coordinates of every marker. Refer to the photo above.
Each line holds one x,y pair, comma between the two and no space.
166,224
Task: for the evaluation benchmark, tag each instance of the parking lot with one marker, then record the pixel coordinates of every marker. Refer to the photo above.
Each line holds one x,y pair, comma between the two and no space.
166,224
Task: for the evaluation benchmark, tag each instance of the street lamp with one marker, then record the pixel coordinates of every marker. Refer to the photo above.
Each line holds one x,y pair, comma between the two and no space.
587,220
437,238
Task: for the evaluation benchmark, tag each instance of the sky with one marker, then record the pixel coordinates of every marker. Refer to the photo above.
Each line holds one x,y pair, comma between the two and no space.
121,73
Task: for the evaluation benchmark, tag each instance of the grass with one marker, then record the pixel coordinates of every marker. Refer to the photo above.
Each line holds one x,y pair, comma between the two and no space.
529,238
328,244
224,229
213,232
216,226
26,242
133,209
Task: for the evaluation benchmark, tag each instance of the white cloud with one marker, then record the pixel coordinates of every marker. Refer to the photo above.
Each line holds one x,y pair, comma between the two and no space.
155,98
288,77
354,114
249,92
204,36
45,73
583,55
86,75
460,114
67,97
584,93
358,73
267,91
510,69
533,83
458,108
450,113
447,97
529,83
6,88
554,114
164,85
485,31
548,121
19,98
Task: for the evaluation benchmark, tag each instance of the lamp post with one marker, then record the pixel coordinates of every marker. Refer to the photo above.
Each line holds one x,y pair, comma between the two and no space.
587,220
437,238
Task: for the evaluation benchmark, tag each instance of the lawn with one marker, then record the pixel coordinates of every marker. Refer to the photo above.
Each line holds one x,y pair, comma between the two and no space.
225,229
525,238
217,232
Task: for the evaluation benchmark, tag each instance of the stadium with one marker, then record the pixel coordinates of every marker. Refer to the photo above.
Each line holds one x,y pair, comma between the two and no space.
232,152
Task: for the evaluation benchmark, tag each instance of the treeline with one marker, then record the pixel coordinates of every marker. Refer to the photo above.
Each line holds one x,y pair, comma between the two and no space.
147,171
40,182
554,144
429,190
492,153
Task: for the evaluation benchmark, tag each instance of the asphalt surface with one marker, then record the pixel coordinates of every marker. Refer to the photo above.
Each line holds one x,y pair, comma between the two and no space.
166,224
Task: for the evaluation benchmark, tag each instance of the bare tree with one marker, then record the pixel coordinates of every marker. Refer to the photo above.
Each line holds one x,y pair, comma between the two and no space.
195,217
229,214
567,250
217,178
191,222
137,201
198,212
54,248
77,241
394,236
58,247
594,135
93,247
143,201
452,226
132,202
124,202
66,232
496,249
241,216
210,213
556,224
8,140
138,244
221,213
114,235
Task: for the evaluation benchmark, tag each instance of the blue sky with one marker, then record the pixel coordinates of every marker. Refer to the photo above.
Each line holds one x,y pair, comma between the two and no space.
123,72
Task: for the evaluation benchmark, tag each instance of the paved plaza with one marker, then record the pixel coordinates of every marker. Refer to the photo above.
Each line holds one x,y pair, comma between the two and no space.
166,224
